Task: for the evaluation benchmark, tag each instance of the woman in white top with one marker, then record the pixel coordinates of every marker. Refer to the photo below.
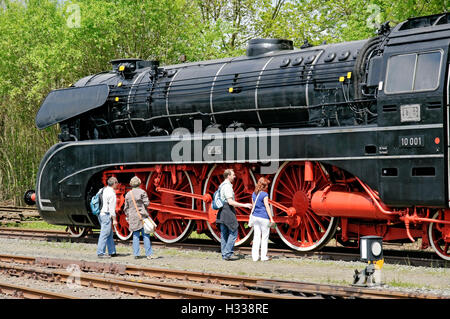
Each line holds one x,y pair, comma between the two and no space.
262,216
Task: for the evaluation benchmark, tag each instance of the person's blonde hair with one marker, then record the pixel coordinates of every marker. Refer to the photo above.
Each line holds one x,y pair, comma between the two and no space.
227,172
262,185
135,181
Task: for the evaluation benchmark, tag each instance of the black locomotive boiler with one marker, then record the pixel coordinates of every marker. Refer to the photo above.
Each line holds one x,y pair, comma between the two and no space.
361,138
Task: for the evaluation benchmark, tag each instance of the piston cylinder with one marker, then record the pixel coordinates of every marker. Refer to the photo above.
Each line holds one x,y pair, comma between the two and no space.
345,204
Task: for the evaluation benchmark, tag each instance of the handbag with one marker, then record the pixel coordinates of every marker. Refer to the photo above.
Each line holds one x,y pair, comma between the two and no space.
251,220
149,224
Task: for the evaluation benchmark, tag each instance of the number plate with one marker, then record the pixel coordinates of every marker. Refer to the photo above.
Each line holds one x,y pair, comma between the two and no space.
412,141
410,113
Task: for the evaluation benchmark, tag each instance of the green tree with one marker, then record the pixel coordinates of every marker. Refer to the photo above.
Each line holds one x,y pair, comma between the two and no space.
43,48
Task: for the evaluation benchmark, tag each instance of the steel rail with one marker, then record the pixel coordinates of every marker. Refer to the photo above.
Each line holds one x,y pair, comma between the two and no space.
93,281
17,208
30,293
302,288
142,287
327,253
25,232
11,214
295,288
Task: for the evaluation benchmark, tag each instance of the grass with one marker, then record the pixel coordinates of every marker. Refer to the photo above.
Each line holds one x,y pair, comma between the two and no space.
401,284
195,235
35,225
44,225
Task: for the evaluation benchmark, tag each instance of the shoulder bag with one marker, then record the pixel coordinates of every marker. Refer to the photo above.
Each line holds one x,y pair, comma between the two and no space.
149,224
251,220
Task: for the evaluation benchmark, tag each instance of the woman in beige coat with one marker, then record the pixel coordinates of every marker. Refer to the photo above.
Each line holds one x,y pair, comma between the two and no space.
134,220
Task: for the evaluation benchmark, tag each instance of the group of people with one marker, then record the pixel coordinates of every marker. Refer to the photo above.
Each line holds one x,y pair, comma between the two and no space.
226,217
135,209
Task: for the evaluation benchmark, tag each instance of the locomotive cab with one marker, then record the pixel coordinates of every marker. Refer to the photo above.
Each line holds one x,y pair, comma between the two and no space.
411,97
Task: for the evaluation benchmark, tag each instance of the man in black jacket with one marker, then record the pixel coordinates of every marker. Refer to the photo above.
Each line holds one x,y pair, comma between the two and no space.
226,217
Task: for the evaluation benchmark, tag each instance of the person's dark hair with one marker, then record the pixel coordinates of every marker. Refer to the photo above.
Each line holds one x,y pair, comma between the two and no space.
112,180
262,185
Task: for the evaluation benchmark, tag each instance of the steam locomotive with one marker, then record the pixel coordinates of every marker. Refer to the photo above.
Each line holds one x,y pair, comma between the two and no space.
358,136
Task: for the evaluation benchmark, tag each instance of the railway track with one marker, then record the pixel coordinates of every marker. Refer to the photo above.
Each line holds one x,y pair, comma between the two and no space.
411,258
167,283
33,233
44,269
23,292
17,214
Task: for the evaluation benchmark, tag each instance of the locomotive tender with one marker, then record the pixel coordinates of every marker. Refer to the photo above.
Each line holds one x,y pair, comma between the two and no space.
362,139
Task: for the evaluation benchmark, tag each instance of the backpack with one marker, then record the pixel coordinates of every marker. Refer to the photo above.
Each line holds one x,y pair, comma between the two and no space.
97,202
217,203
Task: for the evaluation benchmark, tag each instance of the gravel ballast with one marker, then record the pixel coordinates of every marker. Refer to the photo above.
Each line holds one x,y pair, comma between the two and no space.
396,277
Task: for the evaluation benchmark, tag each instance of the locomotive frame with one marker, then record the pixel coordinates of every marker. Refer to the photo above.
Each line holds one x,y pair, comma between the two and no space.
360,152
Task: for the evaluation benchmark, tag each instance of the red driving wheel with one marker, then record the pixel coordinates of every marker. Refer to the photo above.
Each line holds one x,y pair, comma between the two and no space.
436,238
291,190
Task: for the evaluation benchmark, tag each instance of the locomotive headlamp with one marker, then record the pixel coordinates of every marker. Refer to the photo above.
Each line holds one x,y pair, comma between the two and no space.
127,68
234,89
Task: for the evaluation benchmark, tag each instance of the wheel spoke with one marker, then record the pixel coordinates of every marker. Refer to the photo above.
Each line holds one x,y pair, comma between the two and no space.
316,233
296,232
238,188
284,195
295,178
289,189
311,214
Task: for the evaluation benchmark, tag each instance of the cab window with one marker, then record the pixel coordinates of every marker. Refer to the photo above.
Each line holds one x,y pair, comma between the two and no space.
413,72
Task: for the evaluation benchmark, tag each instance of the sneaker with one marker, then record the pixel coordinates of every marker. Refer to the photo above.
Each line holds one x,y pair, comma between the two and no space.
104,256
114,255
231,258
152,257
266,259
137,257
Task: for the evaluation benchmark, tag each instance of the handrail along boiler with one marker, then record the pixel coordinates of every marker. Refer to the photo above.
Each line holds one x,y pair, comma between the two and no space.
363,138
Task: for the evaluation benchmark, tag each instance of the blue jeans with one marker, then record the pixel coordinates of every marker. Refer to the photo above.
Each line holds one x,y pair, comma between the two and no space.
106,235
227,240
147,243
